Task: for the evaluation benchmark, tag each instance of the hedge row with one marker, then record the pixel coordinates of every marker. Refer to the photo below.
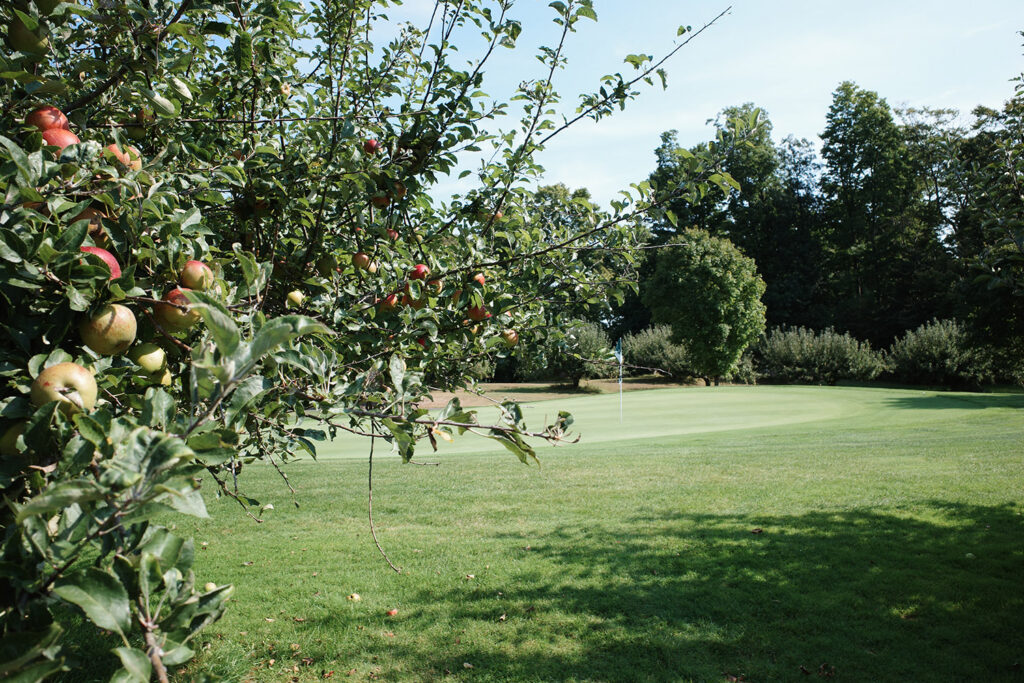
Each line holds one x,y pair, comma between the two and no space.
937,353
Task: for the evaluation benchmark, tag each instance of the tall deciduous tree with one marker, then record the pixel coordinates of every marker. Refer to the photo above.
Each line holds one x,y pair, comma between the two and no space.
889,269
710,294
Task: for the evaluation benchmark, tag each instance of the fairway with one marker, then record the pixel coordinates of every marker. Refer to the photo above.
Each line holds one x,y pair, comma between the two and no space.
865,534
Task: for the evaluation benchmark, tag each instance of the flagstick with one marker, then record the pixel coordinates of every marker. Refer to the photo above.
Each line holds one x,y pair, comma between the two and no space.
618,353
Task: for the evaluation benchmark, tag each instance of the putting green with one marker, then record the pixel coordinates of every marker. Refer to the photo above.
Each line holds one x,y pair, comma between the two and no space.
664,413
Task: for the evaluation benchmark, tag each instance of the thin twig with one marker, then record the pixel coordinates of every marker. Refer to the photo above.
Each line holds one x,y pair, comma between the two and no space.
373,531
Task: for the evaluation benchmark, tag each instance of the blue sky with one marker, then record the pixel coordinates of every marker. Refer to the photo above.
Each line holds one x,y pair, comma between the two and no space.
786,56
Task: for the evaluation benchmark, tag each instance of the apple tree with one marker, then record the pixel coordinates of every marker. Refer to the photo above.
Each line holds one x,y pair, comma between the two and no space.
219,244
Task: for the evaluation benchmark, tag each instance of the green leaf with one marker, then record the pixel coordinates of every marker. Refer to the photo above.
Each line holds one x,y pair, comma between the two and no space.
189,503
280,331
59,496
136,664
218,321
397,370
161,105
404,441
25,646
100,595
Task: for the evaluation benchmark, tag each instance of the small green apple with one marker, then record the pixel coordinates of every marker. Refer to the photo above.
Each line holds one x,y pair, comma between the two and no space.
149,356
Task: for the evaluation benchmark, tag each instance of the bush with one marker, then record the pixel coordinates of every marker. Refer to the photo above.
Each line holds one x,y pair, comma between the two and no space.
583,351
939,352
803,356
654,348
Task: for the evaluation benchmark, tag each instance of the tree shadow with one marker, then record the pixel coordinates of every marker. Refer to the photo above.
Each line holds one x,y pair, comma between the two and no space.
855,594
958,401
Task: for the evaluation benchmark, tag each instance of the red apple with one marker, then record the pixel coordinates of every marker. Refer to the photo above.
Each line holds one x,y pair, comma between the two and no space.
422,341
380,200
108,258
362,261
60,137
371,146
46,118
478,313
511,337
95,218
70,384
419,272
400,190
479,279
130,157
393,234
110,330
196,275
173,318
388,303
435,285
415,303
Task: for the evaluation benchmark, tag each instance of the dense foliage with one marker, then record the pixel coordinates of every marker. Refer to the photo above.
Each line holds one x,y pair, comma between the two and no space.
653,350
231,251
709,293
939,353
907,216
802,356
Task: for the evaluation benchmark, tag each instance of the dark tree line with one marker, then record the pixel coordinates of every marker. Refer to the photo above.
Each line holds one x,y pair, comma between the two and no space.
904,217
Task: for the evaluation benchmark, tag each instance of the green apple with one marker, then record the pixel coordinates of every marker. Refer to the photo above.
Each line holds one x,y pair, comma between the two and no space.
70,384
511,337
9,440
295,298
109,331
149,357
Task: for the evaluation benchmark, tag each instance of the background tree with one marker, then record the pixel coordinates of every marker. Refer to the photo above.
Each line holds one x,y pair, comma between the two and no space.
889,269
582,352
710,294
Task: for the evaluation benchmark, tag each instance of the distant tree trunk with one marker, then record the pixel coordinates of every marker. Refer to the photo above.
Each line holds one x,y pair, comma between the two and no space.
717,380
707,381
576,381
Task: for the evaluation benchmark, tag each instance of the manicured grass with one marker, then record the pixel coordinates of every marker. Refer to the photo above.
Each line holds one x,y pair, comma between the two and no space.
719,532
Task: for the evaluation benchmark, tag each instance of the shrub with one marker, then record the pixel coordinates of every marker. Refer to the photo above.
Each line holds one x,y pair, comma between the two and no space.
583,351
654,348
800,355
939,352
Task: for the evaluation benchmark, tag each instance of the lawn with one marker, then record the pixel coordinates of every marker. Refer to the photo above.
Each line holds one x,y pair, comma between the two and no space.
771,533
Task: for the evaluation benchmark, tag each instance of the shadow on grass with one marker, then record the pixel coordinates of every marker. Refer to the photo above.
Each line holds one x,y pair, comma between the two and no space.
667,597
957,401
933,594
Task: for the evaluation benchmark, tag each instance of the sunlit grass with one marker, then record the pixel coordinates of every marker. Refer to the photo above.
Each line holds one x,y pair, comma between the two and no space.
722,532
